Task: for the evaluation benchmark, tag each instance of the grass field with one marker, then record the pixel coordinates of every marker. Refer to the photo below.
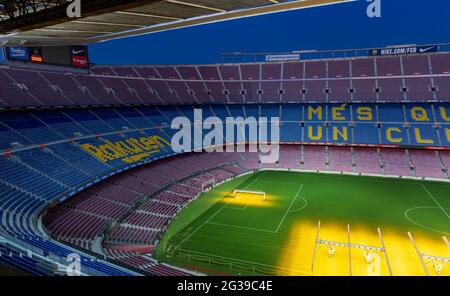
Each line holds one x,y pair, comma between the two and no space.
376,226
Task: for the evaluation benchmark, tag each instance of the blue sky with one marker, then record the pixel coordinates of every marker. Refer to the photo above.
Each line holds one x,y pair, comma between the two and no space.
332,27
340,26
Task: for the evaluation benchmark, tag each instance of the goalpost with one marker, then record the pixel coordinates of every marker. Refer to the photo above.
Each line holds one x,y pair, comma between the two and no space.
208,185
237,191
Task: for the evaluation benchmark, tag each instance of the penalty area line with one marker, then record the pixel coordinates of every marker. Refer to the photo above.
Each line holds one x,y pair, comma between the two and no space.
432,197
203,224
212,216
289,208
301,208
242,227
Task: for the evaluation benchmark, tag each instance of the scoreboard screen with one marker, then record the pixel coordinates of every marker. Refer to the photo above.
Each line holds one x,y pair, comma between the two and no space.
69,56
36,55
56,55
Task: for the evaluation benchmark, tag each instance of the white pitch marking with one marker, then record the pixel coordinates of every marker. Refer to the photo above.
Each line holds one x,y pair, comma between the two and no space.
446,241
420,225
242,227
204,223
209,219
431,195
287,211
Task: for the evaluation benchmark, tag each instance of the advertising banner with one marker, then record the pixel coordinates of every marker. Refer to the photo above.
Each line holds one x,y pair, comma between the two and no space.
403,50
80,57
16,53
282,57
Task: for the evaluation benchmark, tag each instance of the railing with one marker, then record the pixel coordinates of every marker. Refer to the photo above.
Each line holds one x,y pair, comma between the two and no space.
258,57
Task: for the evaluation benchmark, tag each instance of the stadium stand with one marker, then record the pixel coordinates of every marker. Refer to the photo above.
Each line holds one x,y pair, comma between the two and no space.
386,79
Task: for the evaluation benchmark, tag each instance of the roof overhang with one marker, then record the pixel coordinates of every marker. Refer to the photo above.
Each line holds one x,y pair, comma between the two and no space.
141,17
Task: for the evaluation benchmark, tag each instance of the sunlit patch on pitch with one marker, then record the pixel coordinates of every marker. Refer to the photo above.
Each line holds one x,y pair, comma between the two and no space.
331,255
243,200
403,258
365,251
417,254
297,251
368,257
434,252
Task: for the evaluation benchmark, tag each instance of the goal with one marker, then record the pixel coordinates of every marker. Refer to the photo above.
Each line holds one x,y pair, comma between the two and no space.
208,185
240,191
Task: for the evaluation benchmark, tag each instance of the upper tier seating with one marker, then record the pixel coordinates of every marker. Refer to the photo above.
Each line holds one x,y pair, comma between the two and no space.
392,79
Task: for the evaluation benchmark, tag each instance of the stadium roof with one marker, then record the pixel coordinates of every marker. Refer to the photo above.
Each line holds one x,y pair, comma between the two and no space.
45,22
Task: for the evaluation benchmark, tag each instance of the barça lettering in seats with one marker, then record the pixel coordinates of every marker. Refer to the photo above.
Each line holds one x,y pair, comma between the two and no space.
408,124
129,150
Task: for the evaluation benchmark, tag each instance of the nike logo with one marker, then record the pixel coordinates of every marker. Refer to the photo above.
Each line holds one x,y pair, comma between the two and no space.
77,51
426,49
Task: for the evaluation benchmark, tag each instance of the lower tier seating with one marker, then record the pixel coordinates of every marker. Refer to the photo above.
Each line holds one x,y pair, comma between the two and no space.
160,194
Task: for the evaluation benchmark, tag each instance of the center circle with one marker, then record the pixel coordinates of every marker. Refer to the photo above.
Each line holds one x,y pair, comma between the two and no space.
414,220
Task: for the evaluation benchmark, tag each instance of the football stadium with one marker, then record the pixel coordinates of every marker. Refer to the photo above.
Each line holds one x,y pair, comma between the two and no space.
310,163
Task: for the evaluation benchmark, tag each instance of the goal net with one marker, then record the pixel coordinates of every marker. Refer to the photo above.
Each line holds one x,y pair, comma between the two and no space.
239,192
208,185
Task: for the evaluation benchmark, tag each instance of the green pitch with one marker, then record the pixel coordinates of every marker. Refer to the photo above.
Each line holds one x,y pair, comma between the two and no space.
220,234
